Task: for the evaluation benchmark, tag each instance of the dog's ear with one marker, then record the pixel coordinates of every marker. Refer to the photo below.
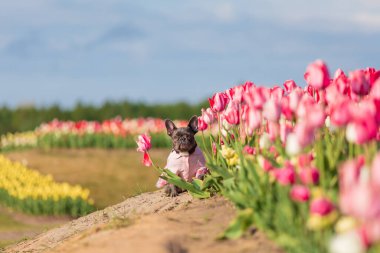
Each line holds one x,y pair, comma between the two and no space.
193,124
170,127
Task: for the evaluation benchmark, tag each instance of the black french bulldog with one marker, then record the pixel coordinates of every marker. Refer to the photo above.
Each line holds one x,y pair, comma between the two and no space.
183,143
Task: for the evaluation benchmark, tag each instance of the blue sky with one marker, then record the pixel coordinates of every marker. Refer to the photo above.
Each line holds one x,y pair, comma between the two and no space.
162,51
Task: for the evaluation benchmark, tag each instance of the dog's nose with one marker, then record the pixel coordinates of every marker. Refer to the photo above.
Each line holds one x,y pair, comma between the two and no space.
184,139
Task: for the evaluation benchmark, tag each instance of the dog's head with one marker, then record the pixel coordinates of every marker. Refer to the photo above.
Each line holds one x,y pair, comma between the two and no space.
183,137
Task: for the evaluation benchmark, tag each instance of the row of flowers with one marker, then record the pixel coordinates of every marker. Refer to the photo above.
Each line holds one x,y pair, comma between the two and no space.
301,164
31,192
113,133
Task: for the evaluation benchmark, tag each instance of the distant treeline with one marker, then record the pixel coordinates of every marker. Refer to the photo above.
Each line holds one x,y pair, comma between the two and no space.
28,118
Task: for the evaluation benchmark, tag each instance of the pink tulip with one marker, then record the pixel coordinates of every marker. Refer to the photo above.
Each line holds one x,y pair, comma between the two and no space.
373,75
273,130
340,113
349,172
289,85
309,176
375,170
249,150
362,130
316,116
370,232
208,116
257,96
304,133
265,164
304,160
218,102
286,175
276,93
294,99
317,75
214,149
273,151
248,85
253,120
146,160
300,193
286,111
231,115
340,81
235,94
143,143
285,129
230,94
375,90
361,201
202,125
272,110
321,206
360,82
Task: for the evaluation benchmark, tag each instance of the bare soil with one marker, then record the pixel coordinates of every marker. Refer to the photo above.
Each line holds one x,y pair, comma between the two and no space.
150,222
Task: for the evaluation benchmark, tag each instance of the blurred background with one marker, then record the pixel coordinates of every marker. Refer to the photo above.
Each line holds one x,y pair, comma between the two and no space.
95,60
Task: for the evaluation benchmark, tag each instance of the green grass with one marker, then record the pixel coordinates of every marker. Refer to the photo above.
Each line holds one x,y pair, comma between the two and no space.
7,223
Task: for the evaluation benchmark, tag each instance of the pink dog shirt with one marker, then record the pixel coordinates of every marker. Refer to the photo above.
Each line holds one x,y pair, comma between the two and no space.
185,166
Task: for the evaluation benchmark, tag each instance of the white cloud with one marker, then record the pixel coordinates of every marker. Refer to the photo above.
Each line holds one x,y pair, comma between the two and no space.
370,22
225,12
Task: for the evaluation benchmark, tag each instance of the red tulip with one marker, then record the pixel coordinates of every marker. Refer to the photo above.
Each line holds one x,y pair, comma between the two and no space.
300,193
360,82
146,160
218,102
317,75
202,125
143,143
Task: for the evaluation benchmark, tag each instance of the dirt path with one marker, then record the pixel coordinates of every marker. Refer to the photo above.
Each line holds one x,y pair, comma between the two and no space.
150,222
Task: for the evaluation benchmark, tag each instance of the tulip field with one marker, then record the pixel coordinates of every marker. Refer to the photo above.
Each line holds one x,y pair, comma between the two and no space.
301,164
113,133
31,192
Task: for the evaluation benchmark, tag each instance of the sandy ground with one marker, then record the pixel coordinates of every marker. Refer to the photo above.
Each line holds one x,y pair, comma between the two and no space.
150,222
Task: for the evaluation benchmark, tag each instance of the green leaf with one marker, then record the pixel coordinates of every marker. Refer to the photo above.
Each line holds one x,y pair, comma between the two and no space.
193,188
239,225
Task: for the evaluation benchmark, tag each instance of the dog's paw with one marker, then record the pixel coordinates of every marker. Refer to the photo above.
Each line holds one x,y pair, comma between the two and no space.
172,191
